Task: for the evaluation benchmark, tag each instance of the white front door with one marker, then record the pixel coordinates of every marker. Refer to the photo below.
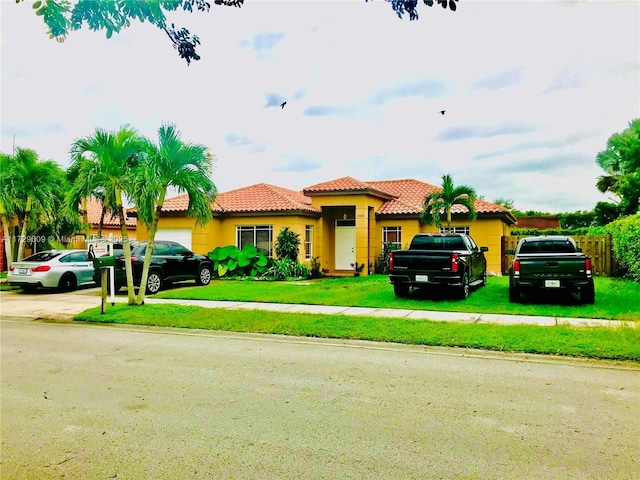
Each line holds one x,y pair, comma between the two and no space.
345,247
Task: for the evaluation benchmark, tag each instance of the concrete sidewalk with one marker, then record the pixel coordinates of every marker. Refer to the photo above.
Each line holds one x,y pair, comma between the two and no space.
67,305
479,318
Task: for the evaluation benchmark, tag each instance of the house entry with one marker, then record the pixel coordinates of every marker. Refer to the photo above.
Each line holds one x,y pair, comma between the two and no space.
345,247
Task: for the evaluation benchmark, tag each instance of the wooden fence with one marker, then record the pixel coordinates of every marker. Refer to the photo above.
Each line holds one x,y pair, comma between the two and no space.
598,247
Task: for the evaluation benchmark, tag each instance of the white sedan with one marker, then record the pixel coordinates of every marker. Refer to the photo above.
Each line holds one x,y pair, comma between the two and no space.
61,269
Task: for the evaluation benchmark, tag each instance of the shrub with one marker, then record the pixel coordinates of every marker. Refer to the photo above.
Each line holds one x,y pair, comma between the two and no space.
383,259
316,270
231,261
287,244
284,269
626,247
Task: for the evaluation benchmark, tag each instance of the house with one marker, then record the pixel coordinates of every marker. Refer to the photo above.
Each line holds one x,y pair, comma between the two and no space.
539,222
340,222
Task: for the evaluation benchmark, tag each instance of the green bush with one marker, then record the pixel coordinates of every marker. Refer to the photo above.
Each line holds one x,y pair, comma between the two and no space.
316,268
285,269
382,265
625,234
552,231
230,261
287,244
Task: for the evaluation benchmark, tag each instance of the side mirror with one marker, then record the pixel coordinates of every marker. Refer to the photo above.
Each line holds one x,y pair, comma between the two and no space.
484,249
510,251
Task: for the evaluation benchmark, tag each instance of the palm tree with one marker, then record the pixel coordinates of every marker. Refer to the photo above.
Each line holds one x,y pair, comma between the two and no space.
441,202
32,188
8,201
187,168
113,155
621,164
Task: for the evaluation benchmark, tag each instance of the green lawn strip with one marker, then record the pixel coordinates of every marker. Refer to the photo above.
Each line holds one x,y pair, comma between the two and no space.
602,343
616,299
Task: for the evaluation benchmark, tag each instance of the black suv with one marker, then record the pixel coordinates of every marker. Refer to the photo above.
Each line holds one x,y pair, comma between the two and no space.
170,262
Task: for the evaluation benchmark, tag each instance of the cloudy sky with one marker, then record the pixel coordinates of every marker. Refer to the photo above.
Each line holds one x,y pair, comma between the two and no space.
532,91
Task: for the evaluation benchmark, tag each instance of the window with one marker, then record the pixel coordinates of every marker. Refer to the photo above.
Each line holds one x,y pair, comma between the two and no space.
75,257
179,249
462,230
308,242
392,235
260,236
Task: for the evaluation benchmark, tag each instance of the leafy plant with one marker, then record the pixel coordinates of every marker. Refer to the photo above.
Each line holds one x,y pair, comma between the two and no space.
285,268
358,268
383,259
287,244
626,248
316,268
231,261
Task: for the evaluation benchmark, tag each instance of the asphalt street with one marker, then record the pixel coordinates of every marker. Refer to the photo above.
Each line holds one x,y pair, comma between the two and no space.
122,402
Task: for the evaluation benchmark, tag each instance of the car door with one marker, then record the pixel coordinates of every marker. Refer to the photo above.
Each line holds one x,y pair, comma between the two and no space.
476,257
80,265
186,262
163,256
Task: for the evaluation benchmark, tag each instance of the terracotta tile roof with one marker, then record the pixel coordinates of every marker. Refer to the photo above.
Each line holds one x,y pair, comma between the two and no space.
410,195
404,197
346,185
94,210
255,198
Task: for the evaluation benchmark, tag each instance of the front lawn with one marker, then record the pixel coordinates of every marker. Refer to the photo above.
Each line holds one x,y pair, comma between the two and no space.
601,343
616,299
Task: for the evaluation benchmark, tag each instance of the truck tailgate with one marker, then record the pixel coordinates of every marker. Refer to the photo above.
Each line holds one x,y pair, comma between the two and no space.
421,260
556,266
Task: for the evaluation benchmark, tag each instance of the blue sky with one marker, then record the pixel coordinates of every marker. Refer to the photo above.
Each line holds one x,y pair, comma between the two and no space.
532,91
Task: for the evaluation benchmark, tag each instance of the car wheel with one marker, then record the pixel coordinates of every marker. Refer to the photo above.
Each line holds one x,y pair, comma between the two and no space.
514,294
204,275
464,287
400,289
588,294
154,282
67,283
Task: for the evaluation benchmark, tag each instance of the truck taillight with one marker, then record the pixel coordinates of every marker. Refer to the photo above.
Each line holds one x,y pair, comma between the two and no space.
391,261
587,266
516,267
41,268
454,262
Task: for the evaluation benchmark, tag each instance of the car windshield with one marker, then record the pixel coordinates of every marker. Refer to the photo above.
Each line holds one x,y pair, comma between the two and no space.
42,256
548,246
438,243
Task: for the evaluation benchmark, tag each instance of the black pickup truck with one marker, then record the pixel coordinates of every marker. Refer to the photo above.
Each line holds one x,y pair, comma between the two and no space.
549,263
453,260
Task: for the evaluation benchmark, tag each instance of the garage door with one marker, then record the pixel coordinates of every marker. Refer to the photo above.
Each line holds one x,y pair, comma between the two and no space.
180,235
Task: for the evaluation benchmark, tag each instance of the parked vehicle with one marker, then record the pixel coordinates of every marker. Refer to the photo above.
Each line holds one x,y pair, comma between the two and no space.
170,262
547,263
61,269
452,260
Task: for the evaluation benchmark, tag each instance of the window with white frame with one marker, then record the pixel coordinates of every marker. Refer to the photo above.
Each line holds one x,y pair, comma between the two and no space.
260,236
308,242
462,230
392,235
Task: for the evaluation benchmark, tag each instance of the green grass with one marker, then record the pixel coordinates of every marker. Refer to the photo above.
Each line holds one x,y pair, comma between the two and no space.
616,299
601,343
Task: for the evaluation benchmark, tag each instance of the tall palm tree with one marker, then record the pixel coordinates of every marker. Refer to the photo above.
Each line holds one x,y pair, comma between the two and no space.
34,184
8,201
441,202
81,191
187,168
112,157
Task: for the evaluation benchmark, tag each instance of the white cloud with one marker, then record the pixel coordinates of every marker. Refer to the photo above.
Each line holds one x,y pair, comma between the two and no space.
569,76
